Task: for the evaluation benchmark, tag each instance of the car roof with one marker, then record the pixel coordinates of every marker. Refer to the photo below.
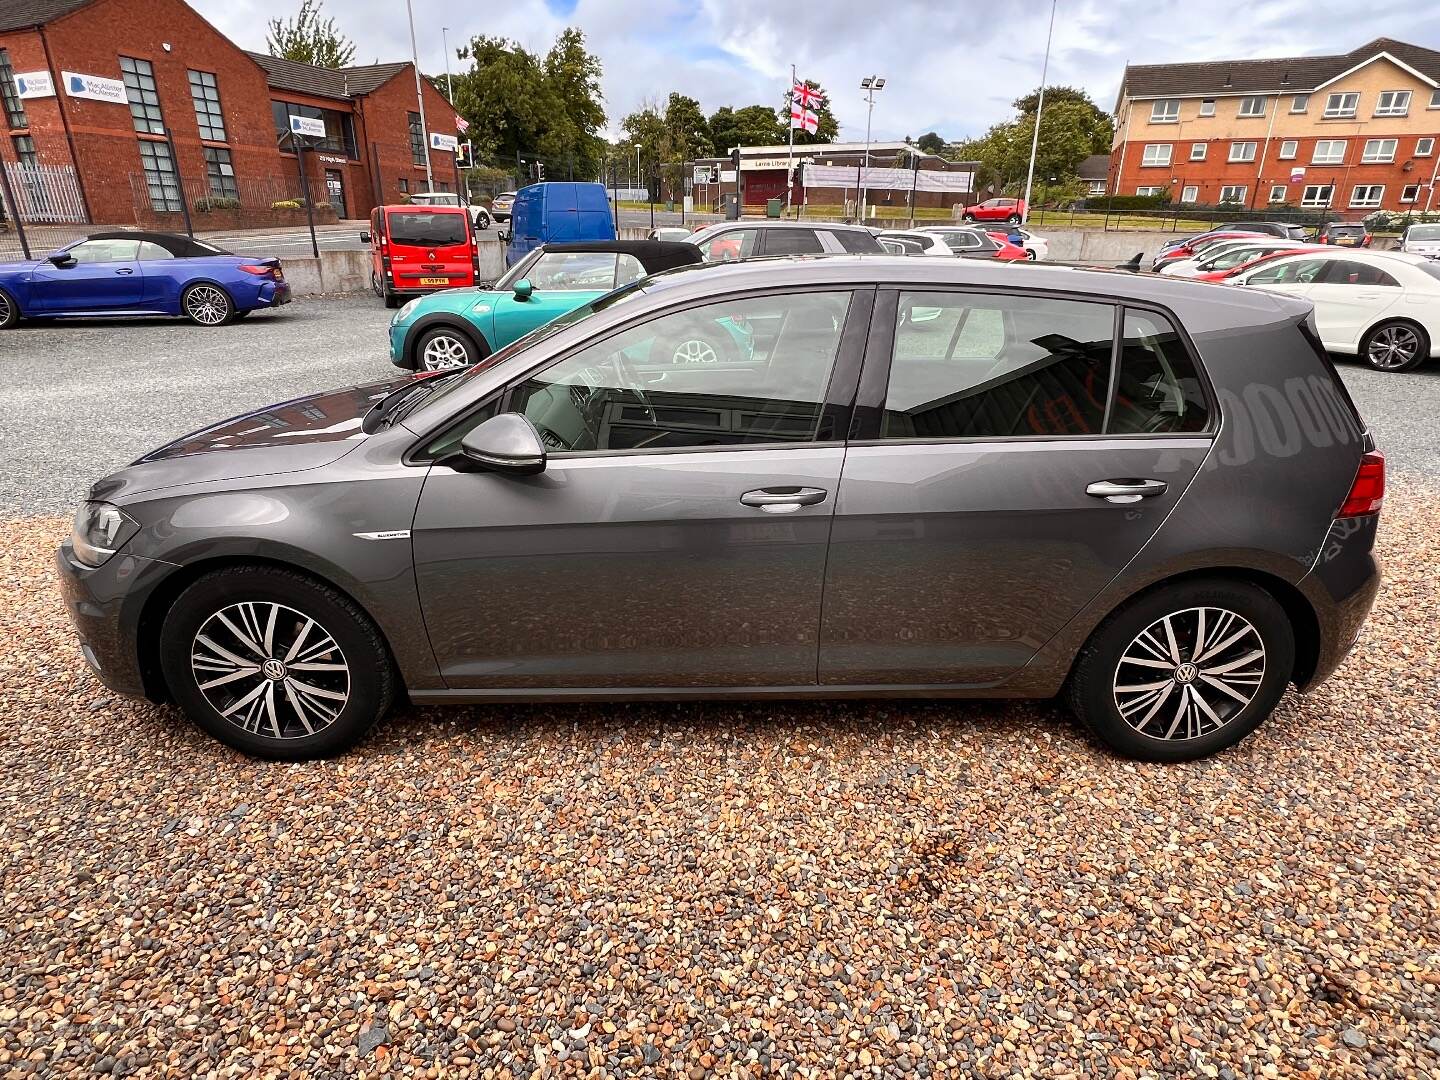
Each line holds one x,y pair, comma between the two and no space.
770,223
654,255
182,247
400,208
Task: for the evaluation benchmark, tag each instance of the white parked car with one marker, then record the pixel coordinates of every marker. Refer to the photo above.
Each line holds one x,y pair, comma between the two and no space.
913,242
1226,254
1037,248
479,216
1383,306
1422,240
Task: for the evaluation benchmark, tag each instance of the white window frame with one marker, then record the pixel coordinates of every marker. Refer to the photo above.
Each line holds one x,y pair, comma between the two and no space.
1168,115
1153,160
1425,147
1342,105
1434,100
1375,195
1300,103
1240,198
1207,106
1316,158
1149,189
1316,201
1289,149
1375,151
1399,104
1410,193
1280,190
1238,153
1248,105
1099,187
1198,151
1190,193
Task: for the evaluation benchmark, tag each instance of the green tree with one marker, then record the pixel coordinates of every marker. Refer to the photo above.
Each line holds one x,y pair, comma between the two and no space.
309,39
1100,126
644,131
572,78
687,134
753,125
829,128
930,143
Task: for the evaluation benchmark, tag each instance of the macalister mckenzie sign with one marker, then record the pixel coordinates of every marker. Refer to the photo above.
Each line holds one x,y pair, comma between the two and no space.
93,87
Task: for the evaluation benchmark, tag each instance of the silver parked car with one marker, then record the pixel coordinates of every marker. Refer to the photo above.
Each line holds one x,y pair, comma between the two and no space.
868,477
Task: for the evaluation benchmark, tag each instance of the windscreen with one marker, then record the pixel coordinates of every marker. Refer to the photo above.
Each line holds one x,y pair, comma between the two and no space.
417,228
1423,232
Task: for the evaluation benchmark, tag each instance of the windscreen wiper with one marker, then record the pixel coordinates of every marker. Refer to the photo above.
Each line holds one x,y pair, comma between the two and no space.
379,414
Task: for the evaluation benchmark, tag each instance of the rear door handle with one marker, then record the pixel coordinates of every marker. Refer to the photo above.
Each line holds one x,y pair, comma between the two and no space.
124,270
783,500
1126,491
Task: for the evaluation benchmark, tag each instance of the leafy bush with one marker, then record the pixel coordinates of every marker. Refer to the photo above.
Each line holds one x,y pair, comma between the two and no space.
1395,220
207,203
1128,202
287,204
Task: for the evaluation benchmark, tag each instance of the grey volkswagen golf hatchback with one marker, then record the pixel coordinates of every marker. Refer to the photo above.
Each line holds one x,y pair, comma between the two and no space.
885,478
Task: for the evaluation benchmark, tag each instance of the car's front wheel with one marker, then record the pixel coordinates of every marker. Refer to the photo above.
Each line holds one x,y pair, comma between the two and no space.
482,220
207,305
9,310
274,663
445,347
1013,219
1395,346
967,217
1184,671
1029,254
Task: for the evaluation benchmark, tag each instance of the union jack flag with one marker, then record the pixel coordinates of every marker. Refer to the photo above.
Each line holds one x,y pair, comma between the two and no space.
805,97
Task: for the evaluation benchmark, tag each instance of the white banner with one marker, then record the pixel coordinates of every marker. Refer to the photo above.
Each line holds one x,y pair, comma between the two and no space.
94,87
448,143
34,84
876,178
309,126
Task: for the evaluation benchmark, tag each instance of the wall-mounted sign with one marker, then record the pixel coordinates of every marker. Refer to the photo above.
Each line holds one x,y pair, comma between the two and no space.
1296,175
448,143
94,87
309,126
756,163
331,159
34,84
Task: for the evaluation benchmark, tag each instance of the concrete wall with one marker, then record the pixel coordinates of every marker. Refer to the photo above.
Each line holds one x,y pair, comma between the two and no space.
348,270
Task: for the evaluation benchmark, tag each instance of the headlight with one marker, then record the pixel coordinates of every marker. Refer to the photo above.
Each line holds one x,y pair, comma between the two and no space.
404,312
100,531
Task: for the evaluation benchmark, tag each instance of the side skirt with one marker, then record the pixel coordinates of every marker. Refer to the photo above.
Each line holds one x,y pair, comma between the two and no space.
705,693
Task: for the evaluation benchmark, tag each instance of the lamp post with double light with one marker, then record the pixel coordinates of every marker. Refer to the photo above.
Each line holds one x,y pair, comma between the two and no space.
870,84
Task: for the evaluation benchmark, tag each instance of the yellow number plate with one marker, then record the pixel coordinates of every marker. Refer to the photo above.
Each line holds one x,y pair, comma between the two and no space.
434,281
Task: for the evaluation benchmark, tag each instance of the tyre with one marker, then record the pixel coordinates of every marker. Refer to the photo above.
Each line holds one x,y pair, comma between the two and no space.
1184,671
482,220
1013,219
207,305
699,345
391,300
9,310
275,664
375,286
967,217
443,347
1029,254
1393,346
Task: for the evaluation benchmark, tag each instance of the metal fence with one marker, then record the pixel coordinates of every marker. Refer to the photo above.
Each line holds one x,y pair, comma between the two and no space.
44,194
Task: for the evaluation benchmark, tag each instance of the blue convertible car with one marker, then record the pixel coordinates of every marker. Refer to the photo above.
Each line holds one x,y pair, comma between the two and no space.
141,273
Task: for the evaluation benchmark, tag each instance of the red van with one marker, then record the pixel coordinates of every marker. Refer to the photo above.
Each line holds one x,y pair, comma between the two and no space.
419,249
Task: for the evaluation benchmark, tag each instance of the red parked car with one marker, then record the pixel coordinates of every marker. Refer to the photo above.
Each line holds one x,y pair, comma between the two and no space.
1189,247
416,250
1240,268
1009,251
1011,210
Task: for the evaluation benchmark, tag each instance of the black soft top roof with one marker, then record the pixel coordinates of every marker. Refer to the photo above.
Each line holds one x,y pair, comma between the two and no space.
181,247
654,255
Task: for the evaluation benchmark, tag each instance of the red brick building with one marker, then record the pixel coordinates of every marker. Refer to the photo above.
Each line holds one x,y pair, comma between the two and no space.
148,103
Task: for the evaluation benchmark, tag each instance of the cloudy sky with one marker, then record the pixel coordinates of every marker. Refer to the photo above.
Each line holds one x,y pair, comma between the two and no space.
952,66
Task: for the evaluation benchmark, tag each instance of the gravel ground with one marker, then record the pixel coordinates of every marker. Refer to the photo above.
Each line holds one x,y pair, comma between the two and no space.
818,890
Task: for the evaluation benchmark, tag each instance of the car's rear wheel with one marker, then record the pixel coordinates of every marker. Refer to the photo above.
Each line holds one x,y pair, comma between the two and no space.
274,663
445,347
967,217
9,310
1013,219
1395,346
482,220
1029,254
1184,671
207,305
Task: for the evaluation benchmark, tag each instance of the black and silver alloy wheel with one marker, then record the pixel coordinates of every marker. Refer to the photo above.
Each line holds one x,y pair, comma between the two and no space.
1394,346
270,670
9,312
1189,673
207,305
442,349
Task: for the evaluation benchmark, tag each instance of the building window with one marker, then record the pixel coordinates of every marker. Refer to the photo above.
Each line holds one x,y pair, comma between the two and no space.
1329,152
205,93
1097,187
1424,147
1242,151
1278,193
1340,105
139,77
1435,99
1207,107
1165,111
14,107
1366,195
221,173
1317,195
1155,153
1232,193
1289,148
1410,193
1300,103
1253,106
25,150
1150,189
1393,103
1197,151
1378,151
160,175
417,139
1189,193
339,128
404,186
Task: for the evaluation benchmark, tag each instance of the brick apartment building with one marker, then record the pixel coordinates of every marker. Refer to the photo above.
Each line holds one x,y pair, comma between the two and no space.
1353,133
91,87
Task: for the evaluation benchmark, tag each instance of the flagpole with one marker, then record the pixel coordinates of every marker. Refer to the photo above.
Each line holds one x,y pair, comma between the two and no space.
790,157
420,99
1039,110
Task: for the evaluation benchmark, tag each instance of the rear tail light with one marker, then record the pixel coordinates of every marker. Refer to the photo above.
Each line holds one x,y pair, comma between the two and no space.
259,270
1367,493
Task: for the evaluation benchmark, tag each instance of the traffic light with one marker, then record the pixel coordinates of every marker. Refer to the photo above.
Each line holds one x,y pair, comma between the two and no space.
735,158
465,155
539,170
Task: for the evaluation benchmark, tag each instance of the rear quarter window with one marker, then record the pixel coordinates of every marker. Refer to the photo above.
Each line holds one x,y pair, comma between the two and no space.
856,243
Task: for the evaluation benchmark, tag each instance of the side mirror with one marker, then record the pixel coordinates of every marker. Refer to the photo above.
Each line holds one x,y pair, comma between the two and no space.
523,289
365,238
506,443
61,259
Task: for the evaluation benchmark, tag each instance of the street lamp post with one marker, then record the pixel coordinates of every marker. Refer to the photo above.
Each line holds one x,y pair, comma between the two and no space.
1039,111
870,84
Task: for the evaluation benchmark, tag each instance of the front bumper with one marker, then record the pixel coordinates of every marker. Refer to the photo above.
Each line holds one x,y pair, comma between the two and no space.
398,334
105,605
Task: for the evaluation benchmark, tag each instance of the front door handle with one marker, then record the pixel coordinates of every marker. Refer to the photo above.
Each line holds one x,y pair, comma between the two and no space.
1126,491
124,270
783,500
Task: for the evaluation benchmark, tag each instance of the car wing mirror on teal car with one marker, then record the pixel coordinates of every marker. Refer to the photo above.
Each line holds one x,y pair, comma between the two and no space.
506,443
523,289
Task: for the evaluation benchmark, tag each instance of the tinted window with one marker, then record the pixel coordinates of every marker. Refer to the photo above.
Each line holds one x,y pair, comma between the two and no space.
979,366
727,374
1290,271
419,229
150,252
963,241
1345,272
792,242
729,246
1158,390
574,271
103,251
903,245
857,243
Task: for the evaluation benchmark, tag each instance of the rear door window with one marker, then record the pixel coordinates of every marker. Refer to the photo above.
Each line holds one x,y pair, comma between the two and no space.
417,228
730,245
1348,272
1289,272
792,242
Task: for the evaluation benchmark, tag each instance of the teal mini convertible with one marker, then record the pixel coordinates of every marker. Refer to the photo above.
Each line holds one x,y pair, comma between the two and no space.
459,327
